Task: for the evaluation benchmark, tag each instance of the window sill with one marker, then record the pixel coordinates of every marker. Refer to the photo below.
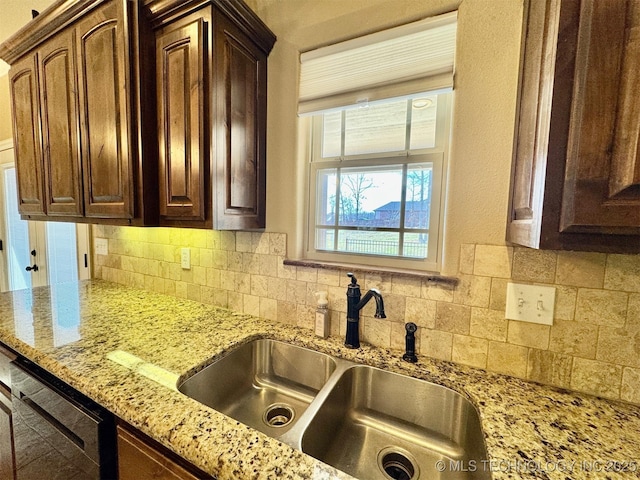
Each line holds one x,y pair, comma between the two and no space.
430,277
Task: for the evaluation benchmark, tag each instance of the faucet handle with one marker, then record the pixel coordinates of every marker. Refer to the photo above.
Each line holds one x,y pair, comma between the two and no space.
354,280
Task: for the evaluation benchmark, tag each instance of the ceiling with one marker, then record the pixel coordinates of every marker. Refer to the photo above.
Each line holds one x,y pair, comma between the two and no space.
15,15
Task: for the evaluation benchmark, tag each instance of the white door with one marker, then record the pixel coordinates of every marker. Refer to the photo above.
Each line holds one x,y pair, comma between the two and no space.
33,254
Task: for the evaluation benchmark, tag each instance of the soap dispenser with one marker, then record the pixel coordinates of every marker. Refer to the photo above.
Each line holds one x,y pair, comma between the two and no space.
322,315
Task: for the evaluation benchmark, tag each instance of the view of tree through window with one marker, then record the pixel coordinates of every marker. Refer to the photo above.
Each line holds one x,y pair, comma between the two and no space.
367,203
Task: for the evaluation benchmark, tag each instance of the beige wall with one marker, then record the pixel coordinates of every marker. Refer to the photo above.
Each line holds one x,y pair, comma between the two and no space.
487,59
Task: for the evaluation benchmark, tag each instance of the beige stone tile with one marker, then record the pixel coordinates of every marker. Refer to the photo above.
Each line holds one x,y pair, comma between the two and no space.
260,242
278,244
376,332
470,351
633,311
285,271
550,368
305,316
243,283
453,318
473,291
498,297
297,292
206,295
574,338
228,241
434,291
228,280
277,288
622,273
493,261
221,259
530,265
420,311
287,312
436,344
338,299
260,285
528,334
630,389
193,292
619,345
409,287
181,289
565,308
251,263
581,269
199,275
328,277
307,274
508,359
251,304
467,256
234,261
336,319
268,265
220,298
169,287
213,240
206,257
380,281
489,324
597,378
268,308
601,307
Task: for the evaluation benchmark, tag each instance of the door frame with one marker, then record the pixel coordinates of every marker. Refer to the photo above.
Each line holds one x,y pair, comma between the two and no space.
4,266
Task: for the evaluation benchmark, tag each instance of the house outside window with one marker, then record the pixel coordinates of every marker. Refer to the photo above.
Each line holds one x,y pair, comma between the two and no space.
377,166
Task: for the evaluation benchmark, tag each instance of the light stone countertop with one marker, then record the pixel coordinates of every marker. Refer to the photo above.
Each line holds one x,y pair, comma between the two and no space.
531,431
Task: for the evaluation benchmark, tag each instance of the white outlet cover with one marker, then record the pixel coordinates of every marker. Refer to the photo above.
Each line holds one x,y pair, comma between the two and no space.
185,258
101,246
530,303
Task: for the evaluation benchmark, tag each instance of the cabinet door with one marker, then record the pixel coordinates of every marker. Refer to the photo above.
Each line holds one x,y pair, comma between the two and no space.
101,49
601,193
184,160
26,136
58,107
138,460
240,84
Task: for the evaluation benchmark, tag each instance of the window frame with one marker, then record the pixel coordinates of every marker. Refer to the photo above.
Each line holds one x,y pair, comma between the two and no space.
437,155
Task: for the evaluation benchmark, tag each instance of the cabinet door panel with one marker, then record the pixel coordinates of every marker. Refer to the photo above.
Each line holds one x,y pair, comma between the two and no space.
63,183
241,130
181,107
588,204
26,137
103,112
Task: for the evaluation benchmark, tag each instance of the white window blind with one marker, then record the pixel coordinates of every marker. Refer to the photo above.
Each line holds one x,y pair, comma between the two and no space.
413,58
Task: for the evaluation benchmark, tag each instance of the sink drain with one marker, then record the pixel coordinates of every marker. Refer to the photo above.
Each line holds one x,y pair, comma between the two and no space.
278,415
397,464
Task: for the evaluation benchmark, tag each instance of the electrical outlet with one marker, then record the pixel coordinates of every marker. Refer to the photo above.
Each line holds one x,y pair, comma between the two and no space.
101,246
530,303
185,258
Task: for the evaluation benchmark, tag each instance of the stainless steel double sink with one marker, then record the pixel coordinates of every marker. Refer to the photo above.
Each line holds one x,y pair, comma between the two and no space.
370,423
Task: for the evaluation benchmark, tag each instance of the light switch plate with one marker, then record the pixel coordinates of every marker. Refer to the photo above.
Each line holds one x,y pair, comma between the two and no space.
102,246
530,303
185,258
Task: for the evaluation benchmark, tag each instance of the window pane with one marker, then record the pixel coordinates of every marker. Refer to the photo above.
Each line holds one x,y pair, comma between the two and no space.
326,196
418,196
331,134
325,239
18,236
376,128
368,243
423,122
370,197
61,252
415,245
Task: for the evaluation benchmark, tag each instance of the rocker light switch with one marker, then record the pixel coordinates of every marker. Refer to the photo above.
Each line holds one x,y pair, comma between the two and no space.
530,303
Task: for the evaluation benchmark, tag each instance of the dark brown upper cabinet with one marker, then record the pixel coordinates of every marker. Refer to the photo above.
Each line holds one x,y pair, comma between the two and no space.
211,68
75,88
576,170
141,113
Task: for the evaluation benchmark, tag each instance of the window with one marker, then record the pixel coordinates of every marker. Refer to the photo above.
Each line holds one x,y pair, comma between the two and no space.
377,165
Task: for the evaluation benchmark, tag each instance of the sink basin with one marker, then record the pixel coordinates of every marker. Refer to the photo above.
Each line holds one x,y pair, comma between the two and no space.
375,424
265,384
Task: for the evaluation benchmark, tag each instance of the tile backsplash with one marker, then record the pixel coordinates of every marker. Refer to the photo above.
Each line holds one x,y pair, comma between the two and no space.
593,345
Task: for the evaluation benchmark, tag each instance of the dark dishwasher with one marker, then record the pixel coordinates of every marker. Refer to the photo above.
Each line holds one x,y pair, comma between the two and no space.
58,432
